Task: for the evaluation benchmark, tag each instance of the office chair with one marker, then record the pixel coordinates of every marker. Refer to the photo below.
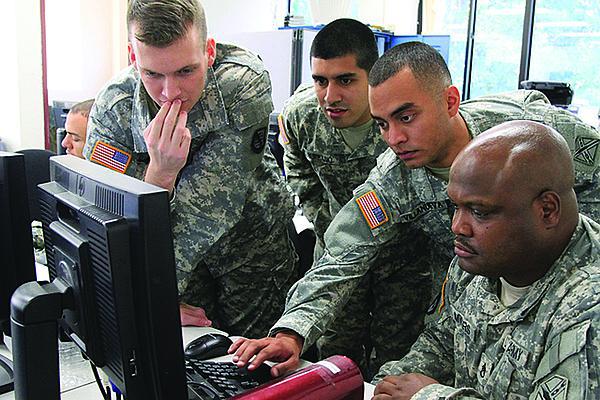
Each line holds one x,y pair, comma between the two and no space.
37,170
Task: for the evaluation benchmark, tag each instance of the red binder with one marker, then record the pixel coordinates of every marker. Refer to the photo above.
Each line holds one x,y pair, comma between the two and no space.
335,378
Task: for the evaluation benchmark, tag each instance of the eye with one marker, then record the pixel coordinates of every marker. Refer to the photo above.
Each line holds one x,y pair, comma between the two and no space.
478,213
345,81
382,125
407,118
151,74
320,82
185,71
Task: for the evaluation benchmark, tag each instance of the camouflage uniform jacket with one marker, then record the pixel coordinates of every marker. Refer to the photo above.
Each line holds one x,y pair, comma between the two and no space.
545,346
319,167
395,197
228,181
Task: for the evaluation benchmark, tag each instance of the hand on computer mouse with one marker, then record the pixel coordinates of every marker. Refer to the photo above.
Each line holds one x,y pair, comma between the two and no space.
193,316
208,346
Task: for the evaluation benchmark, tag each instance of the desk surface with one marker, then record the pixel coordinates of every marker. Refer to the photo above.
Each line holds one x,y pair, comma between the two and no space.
77,381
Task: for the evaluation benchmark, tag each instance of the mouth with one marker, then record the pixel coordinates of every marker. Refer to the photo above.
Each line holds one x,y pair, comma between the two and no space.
406,155
335,112
463,250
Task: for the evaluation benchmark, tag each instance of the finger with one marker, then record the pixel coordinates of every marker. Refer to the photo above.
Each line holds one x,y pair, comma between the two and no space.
384,387
251,348
170,121
289,365
157,123
236,345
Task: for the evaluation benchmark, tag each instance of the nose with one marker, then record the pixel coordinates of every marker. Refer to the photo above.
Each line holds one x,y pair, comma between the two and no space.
66,142
332,94
171,90
395,135
460,225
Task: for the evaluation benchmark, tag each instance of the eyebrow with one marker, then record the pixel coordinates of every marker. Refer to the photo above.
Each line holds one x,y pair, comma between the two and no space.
341,76
399,110
191,66
73,134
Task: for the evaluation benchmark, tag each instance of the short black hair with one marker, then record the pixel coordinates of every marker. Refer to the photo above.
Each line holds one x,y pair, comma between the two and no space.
346,36
425,62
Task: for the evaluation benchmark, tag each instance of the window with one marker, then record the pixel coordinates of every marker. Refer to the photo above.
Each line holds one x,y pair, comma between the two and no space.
497,46
566,46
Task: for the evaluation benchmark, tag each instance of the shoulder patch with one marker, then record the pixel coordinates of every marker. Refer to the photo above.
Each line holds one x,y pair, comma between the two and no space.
282,133
372,209
110,157
586,150
553,388
258,140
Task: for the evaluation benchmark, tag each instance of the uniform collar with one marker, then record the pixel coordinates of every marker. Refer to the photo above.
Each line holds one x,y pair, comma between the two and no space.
207,115
518,311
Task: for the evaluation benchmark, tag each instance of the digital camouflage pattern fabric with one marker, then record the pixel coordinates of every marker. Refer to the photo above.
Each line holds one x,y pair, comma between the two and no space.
322,170
416,203
545,346
230,210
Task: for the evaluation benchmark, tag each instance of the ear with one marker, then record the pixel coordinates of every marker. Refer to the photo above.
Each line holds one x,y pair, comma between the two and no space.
548,205
211,51
452,99
131,54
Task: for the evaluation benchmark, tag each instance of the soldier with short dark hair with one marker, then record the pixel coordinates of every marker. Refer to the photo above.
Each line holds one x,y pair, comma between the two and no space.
76,128
190,115
331,143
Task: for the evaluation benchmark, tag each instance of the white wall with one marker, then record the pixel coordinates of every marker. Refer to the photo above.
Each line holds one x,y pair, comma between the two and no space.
21,69
86,45
234,16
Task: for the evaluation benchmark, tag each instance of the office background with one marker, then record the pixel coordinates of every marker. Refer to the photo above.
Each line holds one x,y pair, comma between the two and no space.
494,43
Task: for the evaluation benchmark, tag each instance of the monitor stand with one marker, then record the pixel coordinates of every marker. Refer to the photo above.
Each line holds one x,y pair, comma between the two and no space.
6,375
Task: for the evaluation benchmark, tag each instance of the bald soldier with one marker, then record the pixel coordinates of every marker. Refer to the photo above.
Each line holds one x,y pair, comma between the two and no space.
421,118
190,115
521,310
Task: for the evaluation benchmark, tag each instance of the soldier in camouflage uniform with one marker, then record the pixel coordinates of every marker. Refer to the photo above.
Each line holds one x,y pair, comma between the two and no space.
419,114
191,116
331,143
521,311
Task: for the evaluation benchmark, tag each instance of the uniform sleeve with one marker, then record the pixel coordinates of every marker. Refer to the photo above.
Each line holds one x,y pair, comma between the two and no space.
212,189
570,363
109,128
351,246
300,175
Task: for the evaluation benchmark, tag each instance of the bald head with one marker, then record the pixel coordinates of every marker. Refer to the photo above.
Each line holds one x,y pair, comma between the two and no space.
527,155
516,207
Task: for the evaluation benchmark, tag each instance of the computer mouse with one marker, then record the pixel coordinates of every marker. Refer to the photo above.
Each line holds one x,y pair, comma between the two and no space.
208,346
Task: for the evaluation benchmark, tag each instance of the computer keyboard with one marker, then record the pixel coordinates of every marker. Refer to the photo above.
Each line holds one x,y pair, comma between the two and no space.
221,380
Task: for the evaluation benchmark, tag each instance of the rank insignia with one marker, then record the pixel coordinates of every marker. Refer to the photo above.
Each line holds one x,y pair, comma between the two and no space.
372,209
553,388
282,134
586,150
110,157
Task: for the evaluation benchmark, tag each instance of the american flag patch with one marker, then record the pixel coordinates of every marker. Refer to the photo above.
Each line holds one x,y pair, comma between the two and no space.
282,134
110,157
372,209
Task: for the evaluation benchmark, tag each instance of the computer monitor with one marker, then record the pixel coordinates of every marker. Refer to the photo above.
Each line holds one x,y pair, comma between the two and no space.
16,244
113,290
